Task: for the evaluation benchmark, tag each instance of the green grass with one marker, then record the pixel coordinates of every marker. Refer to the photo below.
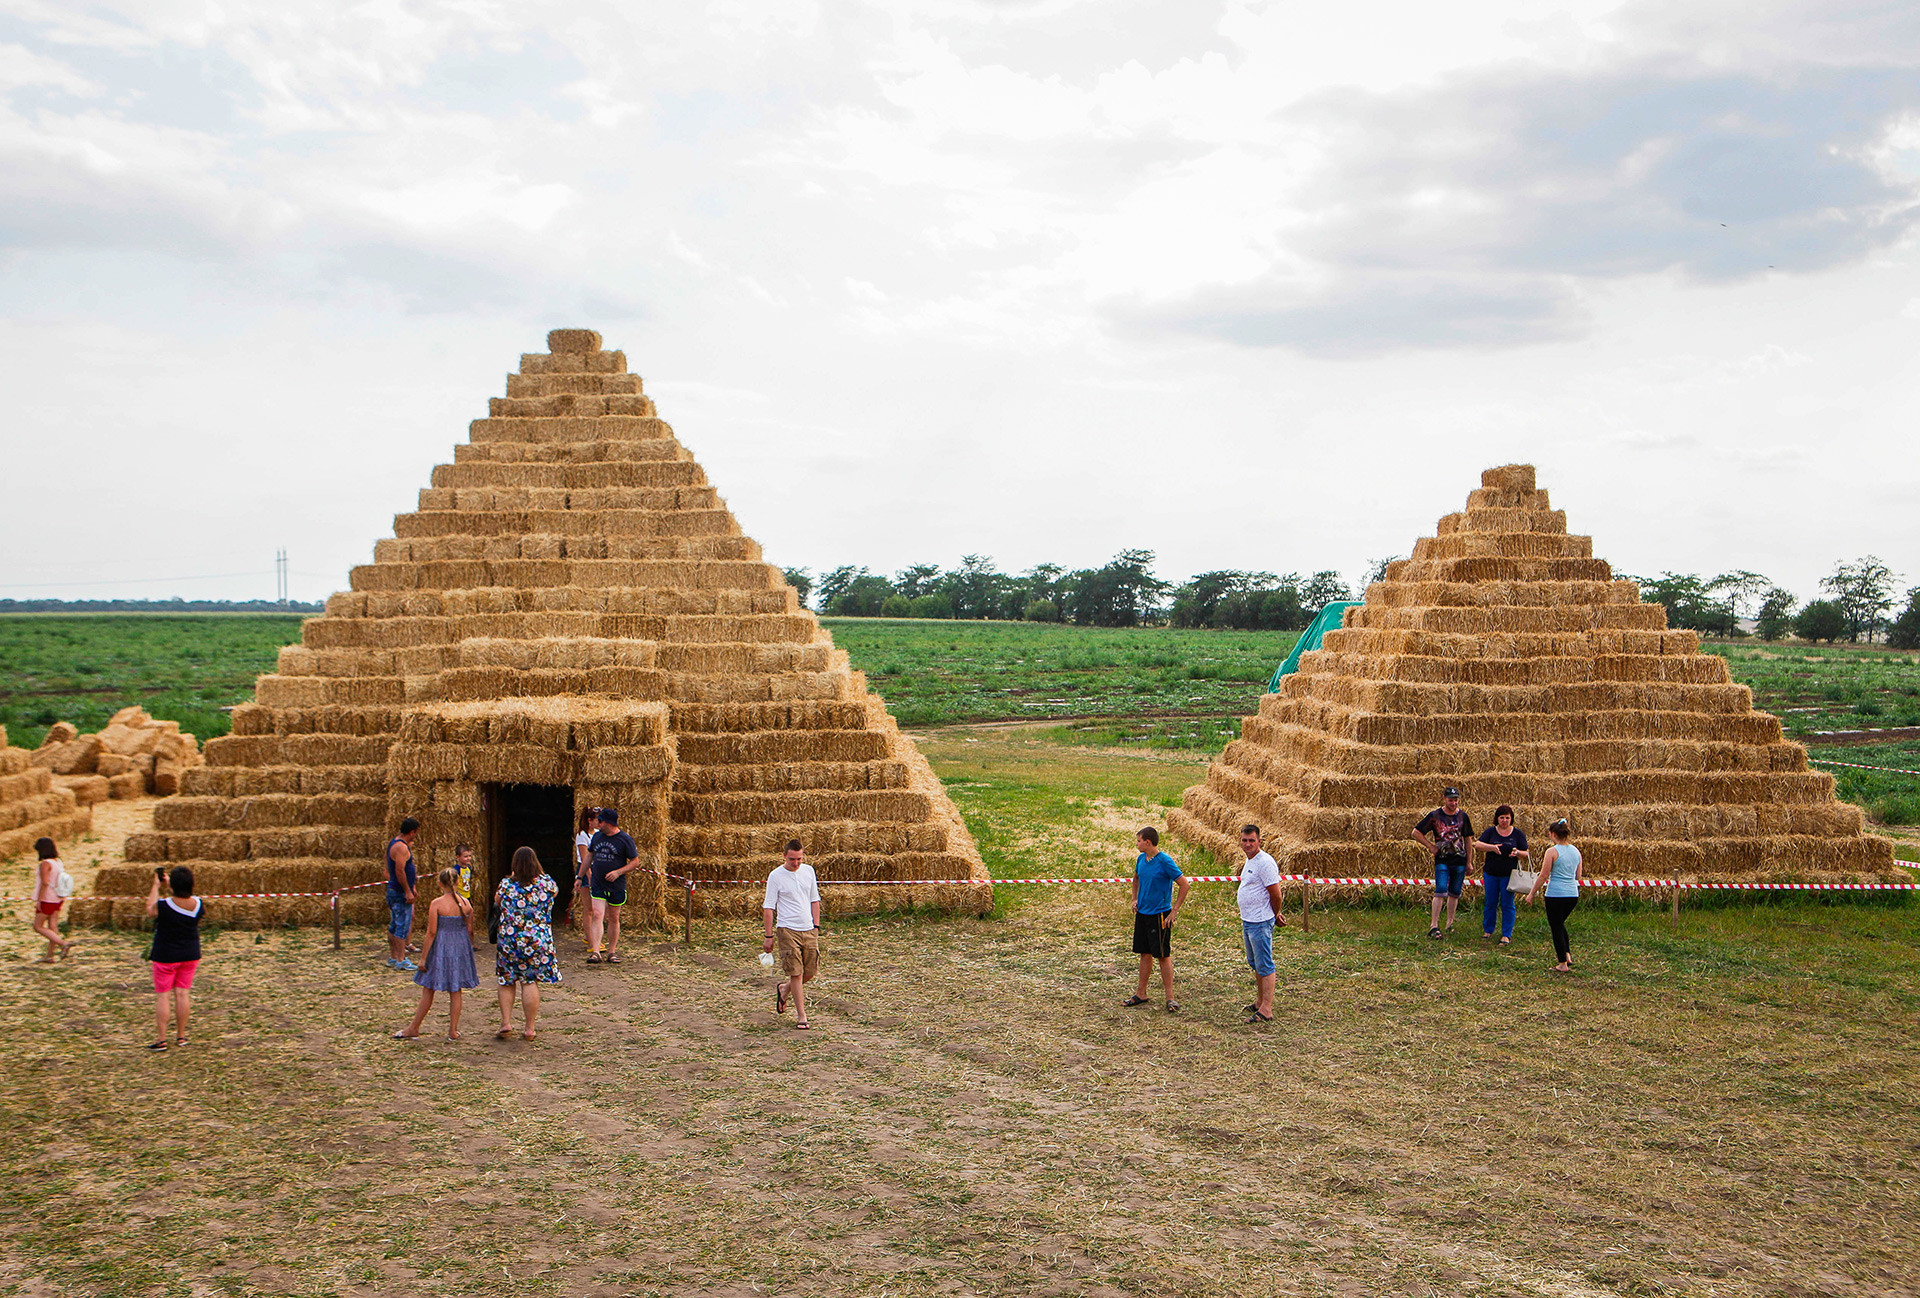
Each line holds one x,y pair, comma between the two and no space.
932,673
1832,687
85,667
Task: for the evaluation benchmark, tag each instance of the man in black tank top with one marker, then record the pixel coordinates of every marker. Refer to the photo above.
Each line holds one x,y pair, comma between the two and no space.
401,878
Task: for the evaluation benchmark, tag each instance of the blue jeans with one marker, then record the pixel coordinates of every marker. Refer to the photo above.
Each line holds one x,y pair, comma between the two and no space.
399,915
1500,897
1449,877
1258,937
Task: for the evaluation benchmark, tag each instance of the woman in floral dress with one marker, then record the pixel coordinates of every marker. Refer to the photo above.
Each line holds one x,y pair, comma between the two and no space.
525,958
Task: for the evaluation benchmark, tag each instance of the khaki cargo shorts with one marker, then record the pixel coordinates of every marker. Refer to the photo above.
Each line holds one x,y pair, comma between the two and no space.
799,952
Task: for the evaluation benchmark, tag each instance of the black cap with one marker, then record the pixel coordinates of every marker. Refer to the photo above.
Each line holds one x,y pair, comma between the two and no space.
1451,793
608,816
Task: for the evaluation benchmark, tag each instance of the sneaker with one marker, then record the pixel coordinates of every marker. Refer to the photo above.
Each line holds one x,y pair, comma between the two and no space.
405,966
392,963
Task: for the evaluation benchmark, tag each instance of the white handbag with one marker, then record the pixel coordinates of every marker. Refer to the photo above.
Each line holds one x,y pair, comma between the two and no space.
1521,882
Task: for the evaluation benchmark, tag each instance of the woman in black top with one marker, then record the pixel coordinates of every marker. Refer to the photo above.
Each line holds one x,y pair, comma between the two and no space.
1503,846
176,950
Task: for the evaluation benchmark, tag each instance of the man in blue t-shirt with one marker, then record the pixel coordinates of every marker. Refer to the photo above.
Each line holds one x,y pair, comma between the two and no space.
611,852
1155,908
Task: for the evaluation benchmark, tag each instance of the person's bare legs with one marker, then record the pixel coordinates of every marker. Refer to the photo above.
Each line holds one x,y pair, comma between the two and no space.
396,946
1146,972
182,1008
797,990
161,1001
596,920
613,929
529,1007
506,1011
1166,979
419,1014
1453,904
46,927
1263,993
1438,899
453,1016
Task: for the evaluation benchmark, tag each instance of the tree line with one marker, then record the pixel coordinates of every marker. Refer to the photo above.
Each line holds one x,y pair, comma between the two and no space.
1857,604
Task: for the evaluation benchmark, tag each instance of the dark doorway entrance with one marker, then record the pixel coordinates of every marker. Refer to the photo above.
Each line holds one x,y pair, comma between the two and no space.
539,816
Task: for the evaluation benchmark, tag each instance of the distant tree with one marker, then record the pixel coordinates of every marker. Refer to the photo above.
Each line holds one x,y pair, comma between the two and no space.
1905,631
896,605
1042,610
1739,589
973,589
1281,608
1322,589
933,606
801,580
1821,619
864,596
1123,593
1690,604
1864,591
1775,617
918,580
834,584
1377,569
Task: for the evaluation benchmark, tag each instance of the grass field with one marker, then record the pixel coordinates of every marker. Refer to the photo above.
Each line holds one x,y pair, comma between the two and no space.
1725,1110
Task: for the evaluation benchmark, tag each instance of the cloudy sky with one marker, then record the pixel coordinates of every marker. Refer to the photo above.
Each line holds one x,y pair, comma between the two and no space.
1252,285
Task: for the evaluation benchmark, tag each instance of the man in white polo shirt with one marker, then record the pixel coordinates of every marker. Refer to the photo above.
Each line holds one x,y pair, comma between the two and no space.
792,912
1260,903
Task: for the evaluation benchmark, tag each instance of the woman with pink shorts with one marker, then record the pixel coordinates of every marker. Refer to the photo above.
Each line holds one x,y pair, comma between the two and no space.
176,950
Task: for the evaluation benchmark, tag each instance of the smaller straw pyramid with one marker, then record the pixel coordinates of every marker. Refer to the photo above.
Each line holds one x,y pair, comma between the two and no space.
33,805
1505,659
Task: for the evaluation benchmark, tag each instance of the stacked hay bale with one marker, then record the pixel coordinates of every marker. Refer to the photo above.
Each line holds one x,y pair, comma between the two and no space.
134,756
33,806
573,552
1505,659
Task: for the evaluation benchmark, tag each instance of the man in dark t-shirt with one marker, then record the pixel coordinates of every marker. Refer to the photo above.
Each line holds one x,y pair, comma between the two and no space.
402,880
611,853
1446,832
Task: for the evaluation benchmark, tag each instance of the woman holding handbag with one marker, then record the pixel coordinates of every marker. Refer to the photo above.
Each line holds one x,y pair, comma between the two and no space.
1560,877
1502,845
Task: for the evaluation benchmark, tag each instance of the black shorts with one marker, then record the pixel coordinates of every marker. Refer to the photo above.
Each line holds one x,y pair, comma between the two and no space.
611,891
1150,937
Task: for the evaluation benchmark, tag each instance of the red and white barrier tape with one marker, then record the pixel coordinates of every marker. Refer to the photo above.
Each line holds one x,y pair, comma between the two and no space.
1366,883
1861,766
223,896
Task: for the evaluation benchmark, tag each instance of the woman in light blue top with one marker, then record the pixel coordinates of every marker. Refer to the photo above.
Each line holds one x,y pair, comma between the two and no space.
1560,877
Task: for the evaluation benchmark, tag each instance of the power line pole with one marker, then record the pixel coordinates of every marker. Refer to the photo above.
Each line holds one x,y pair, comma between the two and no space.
280,576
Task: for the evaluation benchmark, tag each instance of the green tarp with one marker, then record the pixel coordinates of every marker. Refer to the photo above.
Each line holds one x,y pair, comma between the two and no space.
1327,619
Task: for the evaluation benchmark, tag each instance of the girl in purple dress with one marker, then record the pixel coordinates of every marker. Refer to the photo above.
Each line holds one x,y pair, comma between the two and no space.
448,964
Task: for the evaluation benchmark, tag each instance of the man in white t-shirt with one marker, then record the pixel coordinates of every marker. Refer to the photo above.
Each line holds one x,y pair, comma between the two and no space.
792,912
1260,909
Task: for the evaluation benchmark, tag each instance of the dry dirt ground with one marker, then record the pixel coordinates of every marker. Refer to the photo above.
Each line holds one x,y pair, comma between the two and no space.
1723,1111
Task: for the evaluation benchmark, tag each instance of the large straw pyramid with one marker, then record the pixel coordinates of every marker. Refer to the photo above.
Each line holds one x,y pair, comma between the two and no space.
33,805
570,608
1505,659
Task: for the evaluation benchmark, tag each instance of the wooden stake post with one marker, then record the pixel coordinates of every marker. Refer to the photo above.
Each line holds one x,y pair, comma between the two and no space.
336,912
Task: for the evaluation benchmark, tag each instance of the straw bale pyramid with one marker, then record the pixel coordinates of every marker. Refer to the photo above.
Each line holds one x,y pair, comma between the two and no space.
1505,659
32,806
571,605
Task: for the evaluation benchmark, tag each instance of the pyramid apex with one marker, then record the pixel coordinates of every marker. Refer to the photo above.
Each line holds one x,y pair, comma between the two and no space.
572,340
1509,477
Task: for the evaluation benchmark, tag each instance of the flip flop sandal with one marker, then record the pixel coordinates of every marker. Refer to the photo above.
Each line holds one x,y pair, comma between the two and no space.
1173,1007
1258,1017
593,957
179,1041
406,1036
1132,1001
780,998
504,1034
803,1025
1433,932
158,1045
1506,941
612,958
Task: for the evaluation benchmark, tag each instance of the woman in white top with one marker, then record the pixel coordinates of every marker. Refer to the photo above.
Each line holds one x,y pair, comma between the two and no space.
47,901
581,859
1560,877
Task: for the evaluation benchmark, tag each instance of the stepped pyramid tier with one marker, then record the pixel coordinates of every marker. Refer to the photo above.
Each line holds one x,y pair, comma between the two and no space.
571,618
34,805
1503,658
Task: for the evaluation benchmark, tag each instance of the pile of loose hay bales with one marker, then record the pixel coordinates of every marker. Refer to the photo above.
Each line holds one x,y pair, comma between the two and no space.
33,805
570,573
1505,659
132,757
